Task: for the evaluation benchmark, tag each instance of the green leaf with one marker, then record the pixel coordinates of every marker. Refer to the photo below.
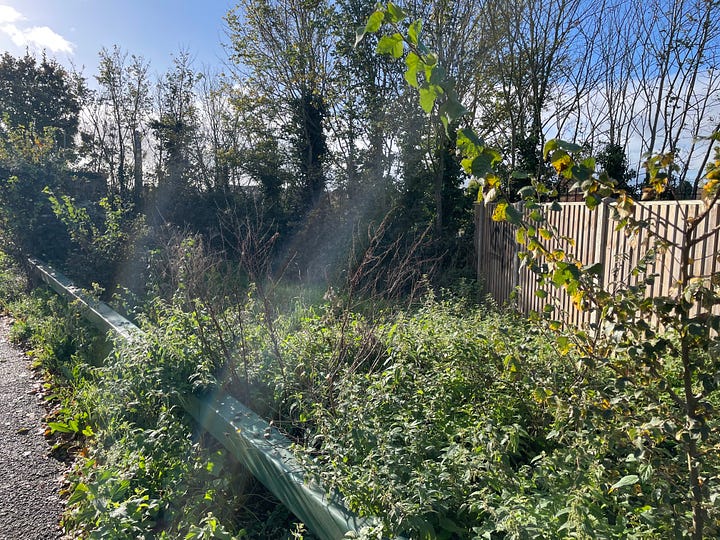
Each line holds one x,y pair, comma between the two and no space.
428,95
594,269
513,215
581,173
396,14
468,142
551,145
557,144
628,480
391,45
526,192
568,146
436,74
481,165
60,427
414,32
374,22
412,61
450,111
592,201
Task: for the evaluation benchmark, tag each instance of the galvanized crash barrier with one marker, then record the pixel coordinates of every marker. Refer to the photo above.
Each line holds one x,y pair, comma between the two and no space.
263,450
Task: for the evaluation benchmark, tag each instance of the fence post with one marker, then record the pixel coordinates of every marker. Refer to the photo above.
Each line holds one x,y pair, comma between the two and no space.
601,241
520,301
480,217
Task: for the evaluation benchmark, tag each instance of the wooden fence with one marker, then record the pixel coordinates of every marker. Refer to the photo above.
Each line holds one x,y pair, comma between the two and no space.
597,241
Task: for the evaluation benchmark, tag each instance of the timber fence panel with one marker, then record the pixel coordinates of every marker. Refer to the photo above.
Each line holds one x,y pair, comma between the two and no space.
497,255
598,240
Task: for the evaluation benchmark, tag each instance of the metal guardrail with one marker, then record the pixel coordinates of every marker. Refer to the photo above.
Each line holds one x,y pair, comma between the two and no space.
255,443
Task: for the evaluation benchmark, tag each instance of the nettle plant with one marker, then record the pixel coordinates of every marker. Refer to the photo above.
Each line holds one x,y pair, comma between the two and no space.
661,352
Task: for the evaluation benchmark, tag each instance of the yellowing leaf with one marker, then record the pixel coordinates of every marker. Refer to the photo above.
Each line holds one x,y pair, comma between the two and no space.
545,233
561,161
710,189
500,212
577,300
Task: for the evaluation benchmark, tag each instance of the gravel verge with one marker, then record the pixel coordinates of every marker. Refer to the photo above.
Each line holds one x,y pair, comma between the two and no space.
30,479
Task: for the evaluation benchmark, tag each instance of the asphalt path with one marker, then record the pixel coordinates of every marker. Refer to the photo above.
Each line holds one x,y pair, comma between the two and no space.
30,479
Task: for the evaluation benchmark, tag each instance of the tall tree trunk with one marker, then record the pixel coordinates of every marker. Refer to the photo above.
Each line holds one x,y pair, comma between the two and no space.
138,170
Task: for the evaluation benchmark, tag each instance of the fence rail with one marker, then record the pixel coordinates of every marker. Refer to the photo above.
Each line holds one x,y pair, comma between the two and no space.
597,240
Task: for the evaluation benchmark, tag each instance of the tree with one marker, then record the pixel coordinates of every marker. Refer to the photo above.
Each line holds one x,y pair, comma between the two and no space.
282,48
534,47
176,120
39,107
116,120
679,83
38,95
449,27
175,128
30,163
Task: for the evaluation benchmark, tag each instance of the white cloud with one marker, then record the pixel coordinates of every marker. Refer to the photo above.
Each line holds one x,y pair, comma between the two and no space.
32,37
9,15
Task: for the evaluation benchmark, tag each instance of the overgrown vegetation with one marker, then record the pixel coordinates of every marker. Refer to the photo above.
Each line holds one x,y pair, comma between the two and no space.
290,241
139,466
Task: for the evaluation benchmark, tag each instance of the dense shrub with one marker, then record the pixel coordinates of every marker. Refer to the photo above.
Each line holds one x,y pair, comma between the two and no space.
454,421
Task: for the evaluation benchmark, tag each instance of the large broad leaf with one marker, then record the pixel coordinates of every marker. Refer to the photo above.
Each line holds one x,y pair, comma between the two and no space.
483,163
391,45
395,13
375,22
450,111
413,63
428,95
628,480
468,141
557,144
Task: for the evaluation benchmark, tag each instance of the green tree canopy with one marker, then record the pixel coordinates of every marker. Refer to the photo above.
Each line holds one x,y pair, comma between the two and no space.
39,94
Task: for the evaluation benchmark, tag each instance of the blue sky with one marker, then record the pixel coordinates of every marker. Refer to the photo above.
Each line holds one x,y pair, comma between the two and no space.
74,31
